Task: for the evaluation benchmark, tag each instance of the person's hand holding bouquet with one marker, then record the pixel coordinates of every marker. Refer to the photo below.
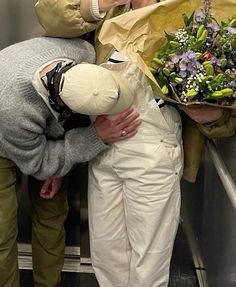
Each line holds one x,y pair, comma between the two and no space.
203,114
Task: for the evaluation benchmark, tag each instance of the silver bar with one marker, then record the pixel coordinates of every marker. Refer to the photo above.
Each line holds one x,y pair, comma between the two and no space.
194,248
223,173
86,260
26,249
72,262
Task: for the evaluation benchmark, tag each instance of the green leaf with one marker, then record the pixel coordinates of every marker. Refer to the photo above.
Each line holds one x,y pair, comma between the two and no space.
174,44
232,22
158,61
203,36
198,55
200,30
224,61
166,71
196,46
217,94
152,70
161,77
178,80
169,37
165,90
173,75
188,20
219,78
209,70
227,92
191,94
206,63
234,44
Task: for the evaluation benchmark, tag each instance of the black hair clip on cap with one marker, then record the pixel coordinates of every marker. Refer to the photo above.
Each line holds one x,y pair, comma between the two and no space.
54,85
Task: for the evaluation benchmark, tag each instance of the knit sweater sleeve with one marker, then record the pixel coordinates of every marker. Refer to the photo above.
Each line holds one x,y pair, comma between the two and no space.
24,141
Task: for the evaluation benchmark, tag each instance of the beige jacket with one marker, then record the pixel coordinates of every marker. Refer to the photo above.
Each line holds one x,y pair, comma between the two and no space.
74,18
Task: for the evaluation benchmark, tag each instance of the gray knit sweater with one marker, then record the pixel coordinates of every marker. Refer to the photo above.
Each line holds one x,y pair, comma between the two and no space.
29,134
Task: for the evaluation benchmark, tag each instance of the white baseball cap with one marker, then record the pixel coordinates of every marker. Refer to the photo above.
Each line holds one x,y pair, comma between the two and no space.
94,90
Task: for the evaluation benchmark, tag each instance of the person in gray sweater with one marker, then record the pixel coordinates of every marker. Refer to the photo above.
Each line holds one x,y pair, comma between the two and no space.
36,140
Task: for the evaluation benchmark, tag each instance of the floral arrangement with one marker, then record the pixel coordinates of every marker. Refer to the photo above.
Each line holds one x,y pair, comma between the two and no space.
197,63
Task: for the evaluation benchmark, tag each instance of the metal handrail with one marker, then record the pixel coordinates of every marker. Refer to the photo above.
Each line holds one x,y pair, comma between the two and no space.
223,172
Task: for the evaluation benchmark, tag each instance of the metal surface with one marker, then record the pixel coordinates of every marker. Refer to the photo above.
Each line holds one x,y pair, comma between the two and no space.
223,172
192,213
218,234
72,261
18,21
194,247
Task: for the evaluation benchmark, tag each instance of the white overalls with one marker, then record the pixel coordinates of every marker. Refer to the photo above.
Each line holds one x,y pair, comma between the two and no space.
134,195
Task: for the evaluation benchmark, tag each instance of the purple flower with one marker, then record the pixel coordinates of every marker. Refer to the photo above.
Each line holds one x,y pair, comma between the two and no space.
218,62
207,3
232,30
182,67
213,27
232,84
214,60
175,59
183,74
189,56
231,62
200,17
191,69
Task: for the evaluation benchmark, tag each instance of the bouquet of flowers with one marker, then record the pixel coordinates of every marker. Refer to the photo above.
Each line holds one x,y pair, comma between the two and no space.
197,62
189,54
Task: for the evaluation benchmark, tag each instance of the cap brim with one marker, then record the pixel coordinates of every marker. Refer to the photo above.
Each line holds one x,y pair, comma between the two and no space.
126,94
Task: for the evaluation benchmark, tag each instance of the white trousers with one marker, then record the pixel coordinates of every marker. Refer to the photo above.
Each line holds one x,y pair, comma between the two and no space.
134,205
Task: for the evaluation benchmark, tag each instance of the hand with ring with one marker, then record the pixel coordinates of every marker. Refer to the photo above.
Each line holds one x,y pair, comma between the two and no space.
123,133
119,127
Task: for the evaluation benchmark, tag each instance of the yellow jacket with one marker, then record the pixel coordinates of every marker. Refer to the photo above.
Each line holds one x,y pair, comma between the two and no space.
74,18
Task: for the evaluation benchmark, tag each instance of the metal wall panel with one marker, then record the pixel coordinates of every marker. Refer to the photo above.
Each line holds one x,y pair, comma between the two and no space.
219,221
18,21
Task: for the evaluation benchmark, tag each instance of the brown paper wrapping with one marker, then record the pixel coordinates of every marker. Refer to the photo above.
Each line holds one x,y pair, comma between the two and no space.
139,34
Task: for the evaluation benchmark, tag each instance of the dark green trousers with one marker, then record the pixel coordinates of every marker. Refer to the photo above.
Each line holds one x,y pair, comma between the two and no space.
48,234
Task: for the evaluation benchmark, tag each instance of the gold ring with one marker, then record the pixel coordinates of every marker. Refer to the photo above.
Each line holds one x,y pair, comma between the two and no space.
123,133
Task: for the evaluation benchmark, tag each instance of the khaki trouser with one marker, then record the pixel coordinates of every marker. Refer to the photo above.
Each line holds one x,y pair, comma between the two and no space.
48,235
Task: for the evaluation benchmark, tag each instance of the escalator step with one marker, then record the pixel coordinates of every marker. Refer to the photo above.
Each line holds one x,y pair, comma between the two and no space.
183,281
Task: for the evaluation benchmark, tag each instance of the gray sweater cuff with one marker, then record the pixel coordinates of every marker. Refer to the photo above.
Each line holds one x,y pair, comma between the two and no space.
91,146
94,138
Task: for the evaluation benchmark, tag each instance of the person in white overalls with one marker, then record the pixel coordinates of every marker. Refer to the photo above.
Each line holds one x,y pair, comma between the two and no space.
134,195
134,189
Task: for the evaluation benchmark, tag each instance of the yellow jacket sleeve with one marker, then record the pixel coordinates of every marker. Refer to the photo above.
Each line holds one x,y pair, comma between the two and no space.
193,142
65,18
224,127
